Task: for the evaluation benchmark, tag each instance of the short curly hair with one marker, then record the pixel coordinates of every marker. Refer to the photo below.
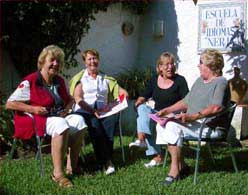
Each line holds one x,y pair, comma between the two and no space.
90,51
214,60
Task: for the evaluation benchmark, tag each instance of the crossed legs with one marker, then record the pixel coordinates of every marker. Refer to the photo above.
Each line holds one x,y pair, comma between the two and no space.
147,134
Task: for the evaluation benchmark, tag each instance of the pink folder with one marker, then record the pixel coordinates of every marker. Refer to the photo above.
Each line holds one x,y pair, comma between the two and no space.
161,120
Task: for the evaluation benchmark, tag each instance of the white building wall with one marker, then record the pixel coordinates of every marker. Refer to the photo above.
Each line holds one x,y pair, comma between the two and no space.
181,38
117,51
142,48
187,15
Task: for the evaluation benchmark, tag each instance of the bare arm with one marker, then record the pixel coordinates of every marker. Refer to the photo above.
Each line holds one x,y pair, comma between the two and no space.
211,110
24,107
78,96
179,106
78,93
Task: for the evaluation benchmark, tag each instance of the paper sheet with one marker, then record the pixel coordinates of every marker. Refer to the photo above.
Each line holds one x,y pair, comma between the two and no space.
115,107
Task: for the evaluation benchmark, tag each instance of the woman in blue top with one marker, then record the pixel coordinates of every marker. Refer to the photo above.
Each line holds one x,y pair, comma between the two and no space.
165,89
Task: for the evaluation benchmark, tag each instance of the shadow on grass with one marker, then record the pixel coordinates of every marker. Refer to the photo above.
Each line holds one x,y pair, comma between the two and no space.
222,158
90,166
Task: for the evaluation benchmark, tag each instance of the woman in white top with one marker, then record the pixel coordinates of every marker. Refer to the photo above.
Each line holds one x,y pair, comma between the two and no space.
92,93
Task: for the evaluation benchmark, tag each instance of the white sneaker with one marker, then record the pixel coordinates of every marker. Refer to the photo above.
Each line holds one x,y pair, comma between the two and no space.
152,163
110,170
138,144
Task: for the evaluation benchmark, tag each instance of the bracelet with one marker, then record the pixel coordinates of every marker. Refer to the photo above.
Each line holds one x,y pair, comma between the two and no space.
200,115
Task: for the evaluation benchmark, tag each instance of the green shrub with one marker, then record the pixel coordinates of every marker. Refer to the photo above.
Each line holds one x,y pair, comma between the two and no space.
135,80
6,126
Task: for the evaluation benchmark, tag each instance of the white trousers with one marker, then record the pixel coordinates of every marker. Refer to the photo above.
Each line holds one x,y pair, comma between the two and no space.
173,132
57,125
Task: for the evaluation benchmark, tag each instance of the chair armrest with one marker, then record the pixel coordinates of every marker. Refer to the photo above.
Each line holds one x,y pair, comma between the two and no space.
29,114
202,127
230,110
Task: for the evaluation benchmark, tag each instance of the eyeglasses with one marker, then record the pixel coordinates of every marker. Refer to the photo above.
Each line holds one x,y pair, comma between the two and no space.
166,65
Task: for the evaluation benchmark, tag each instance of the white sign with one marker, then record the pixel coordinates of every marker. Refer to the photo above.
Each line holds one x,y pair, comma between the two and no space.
222,26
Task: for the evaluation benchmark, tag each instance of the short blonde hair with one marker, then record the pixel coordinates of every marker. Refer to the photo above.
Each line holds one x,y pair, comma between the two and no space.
90,51
214,60
162,57
53,51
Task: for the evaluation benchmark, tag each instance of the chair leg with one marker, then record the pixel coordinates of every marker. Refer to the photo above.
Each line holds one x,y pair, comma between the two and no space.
81,154
82,151
13,147
40,155
233,158
210,152
37,156
121,140
197,160
165,156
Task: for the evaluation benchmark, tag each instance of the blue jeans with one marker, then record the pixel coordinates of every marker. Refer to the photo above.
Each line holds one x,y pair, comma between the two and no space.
148,127
101,132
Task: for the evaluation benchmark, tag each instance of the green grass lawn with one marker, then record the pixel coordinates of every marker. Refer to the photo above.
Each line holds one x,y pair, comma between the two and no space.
21,176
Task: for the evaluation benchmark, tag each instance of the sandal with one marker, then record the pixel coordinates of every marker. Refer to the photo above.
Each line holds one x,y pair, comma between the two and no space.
170,180
62,181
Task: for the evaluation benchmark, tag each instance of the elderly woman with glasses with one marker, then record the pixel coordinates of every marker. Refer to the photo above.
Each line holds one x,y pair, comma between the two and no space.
166,88
208,96
93,90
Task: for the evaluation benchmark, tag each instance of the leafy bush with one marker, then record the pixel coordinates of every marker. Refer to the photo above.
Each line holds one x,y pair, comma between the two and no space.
135,80
40,23
6,126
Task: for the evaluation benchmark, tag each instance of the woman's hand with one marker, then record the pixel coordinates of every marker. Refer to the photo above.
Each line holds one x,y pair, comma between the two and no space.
39,110
186,117
162,112
123,92
64,113
136,105
97,115
138,102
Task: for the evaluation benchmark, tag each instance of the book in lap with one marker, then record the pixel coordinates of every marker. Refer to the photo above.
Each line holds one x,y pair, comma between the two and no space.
162,120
